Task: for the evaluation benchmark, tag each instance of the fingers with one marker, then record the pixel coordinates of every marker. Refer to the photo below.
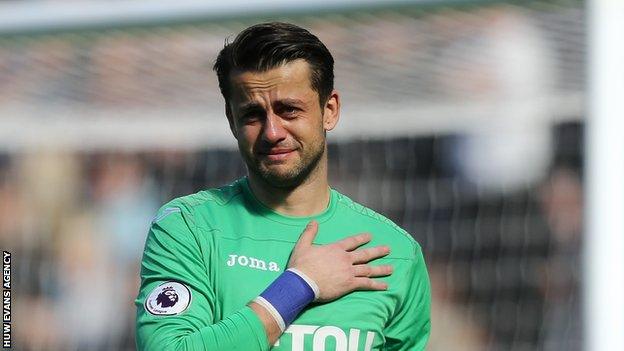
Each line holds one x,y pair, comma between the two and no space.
362,283
308,235
353,242
364,270
369,254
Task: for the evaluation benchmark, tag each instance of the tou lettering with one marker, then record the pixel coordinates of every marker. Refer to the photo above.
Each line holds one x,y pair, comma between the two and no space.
320,335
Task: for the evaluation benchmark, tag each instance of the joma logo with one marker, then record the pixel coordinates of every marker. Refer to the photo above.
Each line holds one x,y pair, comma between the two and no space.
252,262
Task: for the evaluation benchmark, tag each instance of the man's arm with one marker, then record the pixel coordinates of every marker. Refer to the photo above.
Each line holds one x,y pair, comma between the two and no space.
410,326
172,254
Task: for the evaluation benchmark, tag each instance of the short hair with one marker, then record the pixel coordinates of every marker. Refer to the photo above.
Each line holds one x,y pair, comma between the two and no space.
266,46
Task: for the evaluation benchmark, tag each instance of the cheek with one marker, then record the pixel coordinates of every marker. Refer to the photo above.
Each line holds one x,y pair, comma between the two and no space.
307,129
312,133
248,135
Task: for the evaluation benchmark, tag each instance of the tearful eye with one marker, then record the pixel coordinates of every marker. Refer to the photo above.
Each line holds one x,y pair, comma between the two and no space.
250,117
289,111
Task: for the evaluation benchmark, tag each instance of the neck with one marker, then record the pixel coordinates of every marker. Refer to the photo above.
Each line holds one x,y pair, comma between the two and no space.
309,198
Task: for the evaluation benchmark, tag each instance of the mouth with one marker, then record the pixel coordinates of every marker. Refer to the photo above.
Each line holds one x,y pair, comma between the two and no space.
276,154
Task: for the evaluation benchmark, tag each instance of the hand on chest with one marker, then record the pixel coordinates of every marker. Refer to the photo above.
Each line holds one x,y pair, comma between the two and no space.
352,323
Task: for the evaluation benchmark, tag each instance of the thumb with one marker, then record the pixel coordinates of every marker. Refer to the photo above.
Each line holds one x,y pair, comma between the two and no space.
308,235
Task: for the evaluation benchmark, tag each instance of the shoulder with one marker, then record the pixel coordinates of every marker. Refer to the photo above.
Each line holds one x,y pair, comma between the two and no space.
384,230
214,197
199,204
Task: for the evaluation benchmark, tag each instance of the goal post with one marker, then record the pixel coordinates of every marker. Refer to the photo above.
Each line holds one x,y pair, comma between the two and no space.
604,238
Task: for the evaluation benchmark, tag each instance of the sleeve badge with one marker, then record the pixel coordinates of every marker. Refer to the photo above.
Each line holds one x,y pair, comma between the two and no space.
168,299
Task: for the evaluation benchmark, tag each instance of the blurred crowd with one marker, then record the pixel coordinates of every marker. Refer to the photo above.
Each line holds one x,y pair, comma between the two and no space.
393,56
504,266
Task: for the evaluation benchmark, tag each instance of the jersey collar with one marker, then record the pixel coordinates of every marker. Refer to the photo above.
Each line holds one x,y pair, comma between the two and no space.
271,214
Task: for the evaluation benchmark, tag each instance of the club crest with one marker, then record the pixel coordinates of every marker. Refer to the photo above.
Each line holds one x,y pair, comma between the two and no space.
168,299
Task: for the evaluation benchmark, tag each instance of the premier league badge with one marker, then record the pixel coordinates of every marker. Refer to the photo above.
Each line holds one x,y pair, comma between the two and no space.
168,299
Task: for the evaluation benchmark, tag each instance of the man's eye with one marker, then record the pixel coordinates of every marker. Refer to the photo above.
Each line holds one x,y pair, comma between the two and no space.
250,117
290,111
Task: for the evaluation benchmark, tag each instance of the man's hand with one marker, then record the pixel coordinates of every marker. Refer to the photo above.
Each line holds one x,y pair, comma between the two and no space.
340,267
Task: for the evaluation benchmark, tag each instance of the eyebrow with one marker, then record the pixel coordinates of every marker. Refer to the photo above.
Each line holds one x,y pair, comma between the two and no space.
252,105
290,101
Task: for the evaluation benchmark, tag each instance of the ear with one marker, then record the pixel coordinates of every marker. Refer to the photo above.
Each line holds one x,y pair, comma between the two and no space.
230,118
331,111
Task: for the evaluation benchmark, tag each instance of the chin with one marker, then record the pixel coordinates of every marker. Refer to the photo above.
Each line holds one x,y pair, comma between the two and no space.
287,174
282,179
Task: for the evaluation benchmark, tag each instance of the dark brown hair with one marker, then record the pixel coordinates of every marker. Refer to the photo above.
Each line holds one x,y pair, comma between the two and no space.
268,45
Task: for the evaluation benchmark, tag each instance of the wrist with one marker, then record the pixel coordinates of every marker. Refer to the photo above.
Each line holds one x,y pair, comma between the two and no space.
271,328
311,283
287,296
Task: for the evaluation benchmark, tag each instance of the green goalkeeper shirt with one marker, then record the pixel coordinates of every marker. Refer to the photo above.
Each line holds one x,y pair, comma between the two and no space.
208,254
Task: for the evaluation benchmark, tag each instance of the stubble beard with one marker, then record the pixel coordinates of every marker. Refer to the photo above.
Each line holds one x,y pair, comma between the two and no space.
292,177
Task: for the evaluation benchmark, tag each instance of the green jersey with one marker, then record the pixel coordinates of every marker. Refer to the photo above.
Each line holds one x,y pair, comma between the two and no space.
208,254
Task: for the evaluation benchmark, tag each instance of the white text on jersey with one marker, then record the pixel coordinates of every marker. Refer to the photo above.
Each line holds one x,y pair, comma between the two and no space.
252,262
319,335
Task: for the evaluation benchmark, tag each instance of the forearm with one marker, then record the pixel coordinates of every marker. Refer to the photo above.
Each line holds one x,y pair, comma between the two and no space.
243,330
271,327
257,326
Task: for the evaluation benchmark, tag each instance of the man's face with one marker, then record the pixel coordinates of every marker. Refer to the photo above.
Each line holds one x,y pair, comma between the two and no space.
279,124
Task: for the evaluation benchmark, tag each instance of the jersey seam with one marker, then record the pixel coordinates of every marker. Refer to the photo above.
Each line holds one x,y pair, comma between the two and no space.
192,208
195,229
210,198
392,225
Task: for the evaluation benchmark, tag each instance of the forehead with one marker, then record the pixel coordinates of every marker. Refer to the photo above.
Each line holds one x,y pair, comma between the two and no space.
288,80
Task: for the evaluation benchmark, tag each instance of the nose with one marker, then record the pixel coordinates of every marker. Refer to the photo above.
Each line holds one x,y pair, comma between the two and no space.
273,130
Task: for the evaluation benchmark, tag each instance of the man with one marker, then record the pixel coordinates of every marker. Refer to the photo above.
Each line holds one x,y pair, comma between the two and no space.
275,258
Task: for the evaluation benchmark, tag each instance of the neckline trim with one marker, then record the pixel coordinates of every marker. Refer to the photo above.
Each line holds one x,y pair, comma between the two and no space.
273,215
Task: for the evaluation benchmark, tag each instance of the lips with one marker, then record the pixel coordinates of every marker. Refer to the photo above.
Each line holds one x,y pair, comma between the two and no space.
276,154
277,151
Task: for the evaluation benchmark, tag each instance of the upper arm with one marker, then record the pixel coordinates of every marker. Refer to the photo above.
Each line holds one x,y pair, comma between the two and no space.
172,255
410,326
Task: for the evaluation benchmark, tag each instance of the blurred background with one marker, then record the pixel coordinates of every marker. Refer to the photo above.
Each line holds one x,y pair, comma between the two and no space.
462,122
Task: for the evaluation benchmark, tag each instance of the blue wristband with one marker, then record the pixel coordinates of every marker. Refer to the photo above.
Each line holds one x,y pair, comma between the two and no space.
287,296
